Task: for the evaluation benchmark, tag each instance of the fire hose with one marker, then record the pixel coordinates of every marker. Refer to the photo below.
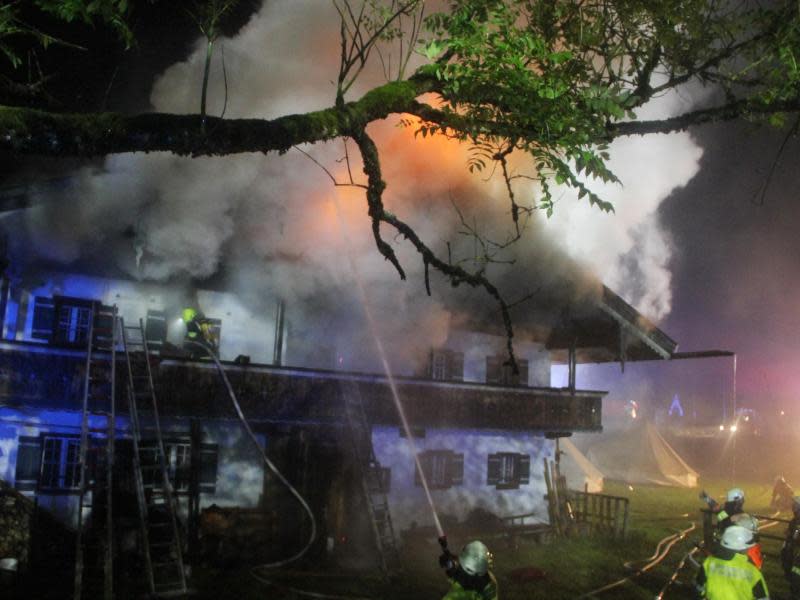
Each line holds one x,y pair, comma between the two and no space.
662,549
267,461
254,571
688,557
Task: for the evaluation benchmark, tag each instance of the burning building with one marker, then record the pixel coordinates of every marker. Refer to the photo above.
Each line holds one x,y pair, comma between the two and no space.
481,431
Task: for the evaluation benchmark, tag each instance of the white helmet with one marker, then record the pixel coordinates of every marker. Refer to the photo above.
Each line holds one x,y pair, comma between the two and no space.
737,538
735,494
747,521
474,558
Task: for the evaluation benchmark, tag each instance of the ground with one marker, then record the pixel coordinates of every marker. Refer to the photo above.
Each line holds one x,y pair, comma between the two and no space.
572,567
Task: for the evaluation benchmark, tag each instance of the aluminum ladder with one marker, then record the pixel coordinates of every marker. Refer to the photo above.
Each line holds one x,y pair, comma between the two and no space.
94,548
371,481
161,541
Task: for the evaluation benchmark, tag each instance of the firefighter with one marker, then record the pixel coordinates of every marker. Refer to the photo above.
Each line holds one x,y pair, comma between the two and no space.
782,494
790,553
751,524
728,574
197,330
470,577
734,505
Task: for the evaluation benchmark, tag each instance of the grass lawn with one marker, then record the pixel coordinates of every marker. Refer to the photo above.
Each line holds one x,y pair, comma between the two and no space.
572,566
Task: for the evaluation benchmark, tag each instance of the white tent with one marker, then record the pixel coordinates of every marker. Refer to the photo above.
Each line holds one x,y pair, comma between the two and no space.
577,468
641,455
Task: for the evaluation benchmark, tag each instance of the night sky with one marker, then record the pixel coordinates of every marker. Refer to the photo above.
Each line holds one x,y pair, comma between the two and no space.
735,281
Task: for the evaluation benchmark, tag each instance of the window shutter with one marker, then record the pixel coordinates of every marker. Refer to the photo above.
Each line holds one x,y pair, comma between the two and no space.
524,468
29,456
455,366
523,372
494,369
43,315
209,454
493,469
455,469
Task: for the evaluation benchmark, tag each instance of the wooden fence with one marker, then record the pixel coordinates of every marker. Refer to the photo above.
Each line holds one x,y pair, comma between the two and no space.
582,512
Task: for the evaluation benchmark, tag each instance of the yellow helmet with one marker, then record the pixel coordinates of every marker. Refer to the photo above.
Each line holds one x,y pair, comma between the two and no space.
189,314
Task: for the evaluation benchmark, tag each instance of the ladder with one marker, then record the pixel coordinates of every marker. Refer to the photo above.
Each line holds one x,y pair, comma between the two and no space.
161,541
94,547
372,484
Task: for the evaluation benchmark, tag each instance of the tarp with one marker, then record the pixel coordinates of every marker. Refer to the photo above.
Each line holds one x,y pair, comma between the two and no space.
577,468
640,455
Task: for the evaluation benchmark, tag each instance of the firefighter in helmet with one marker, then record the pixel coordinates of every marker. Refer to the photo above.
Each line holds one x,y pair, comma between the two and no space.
790,553
734,505
198,330
728,573
469,573
751,524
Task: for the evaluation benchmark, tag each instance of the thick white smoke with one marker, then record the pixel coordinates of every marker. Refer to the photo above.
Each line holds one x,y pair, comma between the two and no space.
272,223
628,249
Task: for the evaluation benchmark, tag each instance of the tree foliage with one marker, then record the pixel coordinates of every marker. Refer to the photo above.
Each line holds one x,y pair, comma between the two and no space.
556,81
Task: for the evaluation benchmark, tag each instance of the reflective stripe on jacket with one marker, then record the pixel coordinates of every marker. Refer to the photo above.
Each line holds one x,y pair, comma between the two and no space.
732,579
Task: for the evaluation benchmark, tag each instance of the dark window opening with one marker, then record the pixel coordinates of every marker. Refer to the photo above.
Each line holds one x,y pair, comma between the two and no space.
508,470
60,467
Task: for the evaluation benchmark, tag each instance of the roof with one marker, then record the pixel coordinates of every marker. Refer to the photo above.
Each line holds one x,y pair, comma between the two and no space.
611,330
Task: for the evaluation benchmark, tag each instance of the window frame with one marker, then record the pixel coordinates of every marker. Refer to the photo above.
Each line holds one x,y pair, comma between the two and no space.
60,472
508,470
443,469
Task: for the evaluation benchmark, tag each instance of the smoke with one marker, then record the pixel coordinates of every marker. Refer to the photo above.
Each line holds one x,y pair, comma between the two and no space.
275,225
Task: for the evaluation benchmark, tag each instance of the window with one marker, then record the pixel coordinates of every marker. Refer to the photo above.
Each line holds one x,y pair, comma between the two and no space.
499,372
72,316
179,465
61,467
508,470
442,468
446,365
29,456
43,311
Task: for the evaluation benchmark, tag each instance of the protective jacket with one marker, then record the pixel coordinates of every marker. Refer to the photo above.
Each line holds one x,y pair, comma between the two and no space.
729,509
464,587
729,575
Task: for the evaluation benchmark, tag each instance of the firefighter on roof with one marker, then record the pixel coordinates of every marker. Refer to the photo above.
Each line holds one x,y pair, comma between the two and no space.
469,573
728,574
198,330
790,553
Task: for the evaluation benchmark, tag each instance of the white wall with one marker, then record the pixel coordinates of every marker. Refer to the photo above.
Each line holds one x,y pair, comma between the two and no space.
407,501
477,346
